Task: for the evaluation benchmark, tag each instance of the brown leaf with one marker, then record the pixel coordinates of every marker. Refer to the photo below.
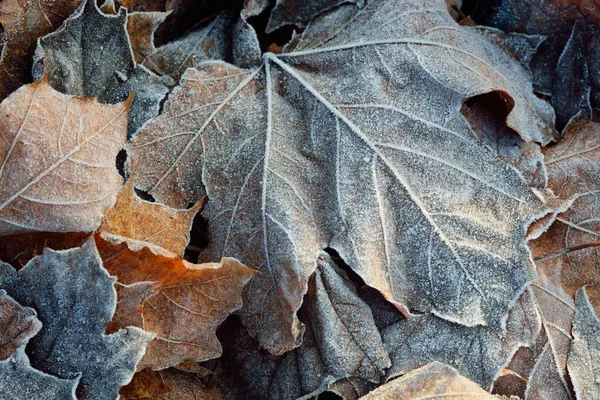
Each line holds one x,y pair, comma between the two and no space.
432,381
18,323
567,253
181,302
57,156
168,384
154,223
24,21
18,249
141,27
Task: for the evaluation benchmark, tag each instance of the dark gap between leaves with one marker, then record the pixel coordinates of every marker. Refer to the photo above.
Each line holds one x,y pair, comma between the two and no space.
199,236
339,261
274,41
120,162
142,194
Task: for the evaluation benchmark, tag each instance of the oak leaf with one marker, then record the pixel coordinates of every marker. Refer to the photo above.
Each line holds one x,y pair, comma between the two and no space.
182,303
75,298
154,223
432,381
356,145
90,55
57,160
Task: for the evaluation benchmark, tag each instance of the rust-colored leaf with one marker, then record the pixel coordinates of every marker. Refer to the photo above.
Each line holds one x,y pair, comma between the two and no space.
141,27
169,384
57,160
154,223
432,381
181,302
18,324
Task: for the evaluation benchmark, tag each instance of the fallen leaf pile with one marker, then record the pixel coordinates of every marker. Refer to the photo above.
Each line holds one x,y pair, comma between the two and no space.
294,199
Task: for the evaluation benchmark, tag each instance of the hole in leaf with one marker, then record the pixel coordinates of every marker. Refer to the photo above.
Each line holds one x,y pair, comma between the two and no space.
487,114
120,162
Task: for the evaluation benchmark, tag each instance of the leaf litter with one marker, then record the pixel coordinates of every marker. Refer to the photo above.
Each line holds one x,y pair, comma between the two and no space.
399,199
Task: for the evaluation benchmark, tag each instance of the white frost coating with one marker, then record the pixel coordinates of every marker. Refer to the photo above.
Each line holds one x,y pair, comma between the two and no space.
370,158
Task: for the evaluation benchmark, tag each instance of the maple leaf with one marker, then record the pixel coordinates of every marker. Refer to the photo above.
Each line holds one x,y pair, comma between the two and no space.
74,298
52,147
134,218
341,341
328,152
19,325
434,380
566,65
20,381
479,353
168,384
90,55
584,354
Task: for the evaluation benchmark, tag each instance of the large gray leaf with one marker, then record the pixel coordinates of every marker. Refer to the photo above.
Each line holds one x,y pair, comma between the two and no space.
360,146
18,381
584,355
299,12
479,353
341,341
90,55
75,298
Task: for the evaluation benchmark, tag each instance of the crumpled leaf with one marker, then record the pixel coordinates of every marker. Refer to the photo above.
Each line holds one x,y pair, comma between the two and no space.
568,252
154,223
341,341
24,21
18,324
90,55
432,381
18,381
75,298
141,27
567,64
54,145
324,150
168,384
299,12
182,303
584,355
226,37
478,353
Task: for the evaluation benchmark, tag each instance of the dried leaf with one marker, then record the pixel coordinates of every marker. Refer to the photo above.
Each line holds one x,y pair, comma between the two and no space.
18,323
478,353
181,302
180,386
567,64
54,145
584,355
141,27
18,381
568,252
17,250
24,21
90,55
134,218
221,38
432,381
280,188
341,341
74,298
